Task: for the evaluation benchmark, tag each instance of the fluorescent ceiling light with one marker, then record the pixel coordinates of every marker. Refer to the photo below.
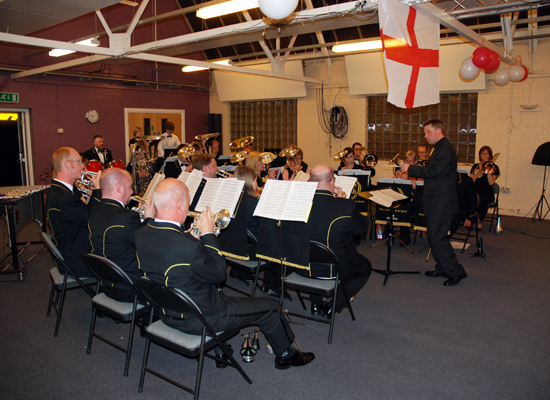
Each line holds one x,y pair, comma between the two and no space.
191,68
357,46
229,7
61,52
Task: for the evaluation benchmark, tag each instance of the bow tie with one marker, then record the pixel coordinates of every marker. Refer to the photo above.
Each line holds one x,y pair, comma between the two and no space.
168,135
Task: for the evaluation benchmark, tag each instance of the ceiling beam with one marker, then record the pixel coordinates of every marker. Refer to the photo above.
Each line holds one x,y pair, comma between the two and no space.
64,65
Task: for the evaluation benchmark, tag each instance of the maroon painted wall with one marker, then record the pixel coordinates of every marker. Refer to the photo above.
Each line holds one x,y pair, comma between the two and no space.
61,102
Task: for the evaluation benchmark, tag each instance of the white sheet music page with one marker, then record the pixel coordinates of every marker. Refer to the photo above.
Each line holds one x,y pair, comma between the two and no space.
184,176
153,184
346,183
301,177
385,197
220,194
286,200
193,182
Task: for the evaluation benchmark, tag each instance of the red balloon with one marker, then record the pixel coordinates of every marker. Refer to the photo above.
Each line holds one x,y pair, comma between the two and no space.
481,57
526,73
495,62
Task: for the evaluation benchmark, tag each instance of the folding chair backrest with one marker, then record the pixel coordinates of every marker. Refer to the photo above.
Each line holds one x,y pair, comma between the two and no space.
47,239
251,245
321,254
168,299
496,189
106,270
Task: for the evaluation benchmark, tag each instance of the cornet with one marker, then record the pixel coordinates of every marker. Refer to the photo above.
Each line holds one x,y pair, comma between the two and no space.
85,183
223,218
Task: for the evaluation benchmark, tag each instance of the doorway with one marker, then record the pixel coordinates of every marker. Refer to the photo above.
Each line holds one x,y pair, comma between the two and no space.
15,161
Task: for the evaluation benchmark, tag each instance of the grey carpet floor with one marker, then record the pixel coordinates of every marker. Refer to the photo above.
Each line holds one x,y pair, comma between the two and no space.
486,338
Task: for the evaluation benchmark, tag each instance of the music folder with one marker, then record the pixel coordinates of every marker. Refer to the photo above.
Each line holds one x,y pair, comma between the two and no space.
386,197
286,200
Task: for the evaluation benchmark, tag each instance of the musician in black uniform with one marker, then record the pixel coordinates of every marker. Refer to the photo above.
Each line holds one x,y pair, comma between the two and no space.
66,213
173,169
440,201
350,162
335,222
112,227
170,256
98,151
483,181
294,165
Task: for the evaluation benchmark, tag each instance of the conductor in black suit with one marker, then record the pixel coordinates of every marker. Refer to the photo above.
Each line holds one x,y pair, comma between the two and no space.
440,201
66,213
112,227
98,151
169,256
335,222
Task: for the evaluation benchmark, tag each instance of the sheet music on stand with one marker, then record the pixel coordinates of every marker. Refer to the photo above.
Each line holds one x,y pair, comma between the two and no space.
386,197
301,176
355,172
192,180
220,194
279,171
153,184
228,168
346,183
286,200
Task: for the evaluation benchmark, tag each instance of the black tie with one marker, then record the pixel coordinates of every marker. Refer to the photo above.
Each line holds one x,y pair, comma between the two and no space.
168,135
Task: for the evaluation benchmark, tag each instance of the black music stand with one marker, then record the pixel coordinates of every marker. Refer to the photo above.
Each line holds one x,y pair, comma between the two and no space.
542,157
388,271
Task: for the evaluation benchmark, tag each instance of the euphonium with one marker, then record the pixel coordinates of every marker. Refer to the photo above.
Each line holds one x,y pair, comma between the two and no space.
223,218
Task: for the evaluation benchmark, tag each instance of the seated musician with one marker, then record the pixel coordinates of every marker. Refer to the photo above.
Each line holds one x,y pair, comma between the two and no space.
66,213
174,168
248,175
98,151
360,159
336,221
467,203
253,161
484,179
349,162
294,165
172,257
112,227
138,132
423,154
207,164
411,159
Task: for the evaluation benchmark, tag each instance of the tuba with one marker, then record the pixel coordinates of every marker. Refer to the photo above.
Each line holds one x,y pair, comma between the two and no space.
204,139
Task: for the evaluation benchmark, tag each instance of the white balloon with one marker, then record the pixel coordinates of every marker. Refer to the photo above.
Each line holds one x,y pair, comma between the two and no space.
502,78
468,70
516,73
277,9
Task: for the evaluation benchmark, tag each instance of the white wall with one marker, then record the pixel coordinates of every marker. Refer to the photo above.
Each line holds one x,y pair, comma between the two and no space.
515,135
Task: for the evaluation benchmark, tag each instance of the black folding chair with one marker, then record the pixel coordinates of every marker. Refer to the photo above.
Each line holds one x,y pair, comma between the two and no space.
494,206
107,271
253,266
61,283
328,287
170,301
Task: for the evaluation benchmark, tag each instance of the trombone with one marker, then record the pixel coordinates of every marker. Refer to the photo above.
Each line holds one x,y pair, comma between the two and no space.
488,167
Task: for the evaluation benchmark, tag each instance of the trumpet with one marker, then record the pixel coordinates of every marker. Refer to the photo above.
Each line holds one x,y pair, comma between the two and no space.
223,174
223,218
85,183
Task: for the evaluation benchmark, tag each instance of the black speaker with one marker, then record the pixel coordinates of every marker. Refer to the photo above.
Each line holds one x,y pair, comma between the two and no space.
214,125
542,155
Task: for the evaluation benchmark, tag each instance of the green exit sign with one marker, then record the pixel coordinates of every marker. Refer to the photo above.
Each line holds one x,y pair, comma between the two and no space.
9,97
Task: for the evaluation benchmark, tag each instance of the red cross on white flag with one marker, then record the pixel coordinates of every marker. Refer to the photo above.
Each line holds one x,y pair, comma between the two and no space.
411,54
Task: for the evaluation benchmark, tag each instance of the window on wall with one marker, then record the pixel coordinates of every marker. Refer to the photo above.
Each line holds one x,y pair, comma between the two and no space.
392,130
272,122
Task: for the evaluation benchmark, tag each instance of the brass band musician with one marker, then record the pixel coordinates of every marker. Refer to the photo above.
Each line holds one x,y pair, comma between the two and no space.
484,178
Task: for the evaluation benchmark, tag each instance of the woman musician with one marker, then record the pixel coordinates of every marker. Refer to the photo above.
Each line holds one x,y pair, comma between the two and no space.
253,161
294,165
248,175
484,174
348,161
412,159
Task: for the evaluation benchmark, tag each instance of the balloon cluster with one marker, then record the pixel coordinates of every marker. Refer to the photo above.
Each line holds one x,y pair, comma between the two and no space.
489,60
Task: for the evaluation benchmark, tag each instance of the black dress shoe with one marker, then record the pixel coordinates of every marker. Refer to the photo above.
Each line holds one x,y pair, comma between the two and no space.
274,292
434,274
298,359
456,280
220,364
317,308
327,312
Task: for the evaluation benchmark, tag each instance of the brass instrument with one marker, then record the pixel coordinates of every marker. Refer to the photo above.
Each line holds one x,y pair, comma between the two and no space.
223,218
238,157
266,158
395,160
423,163
240,143
223,174
340,156
369,159
344,196
186,151
290,153
198,146
488,167
205,138
85,183
141,208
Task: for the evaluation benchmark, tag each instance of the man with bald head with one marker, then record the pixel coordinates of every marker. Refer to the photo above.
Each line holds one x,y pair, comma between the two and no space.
335,222
112,227
66,212
169,256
